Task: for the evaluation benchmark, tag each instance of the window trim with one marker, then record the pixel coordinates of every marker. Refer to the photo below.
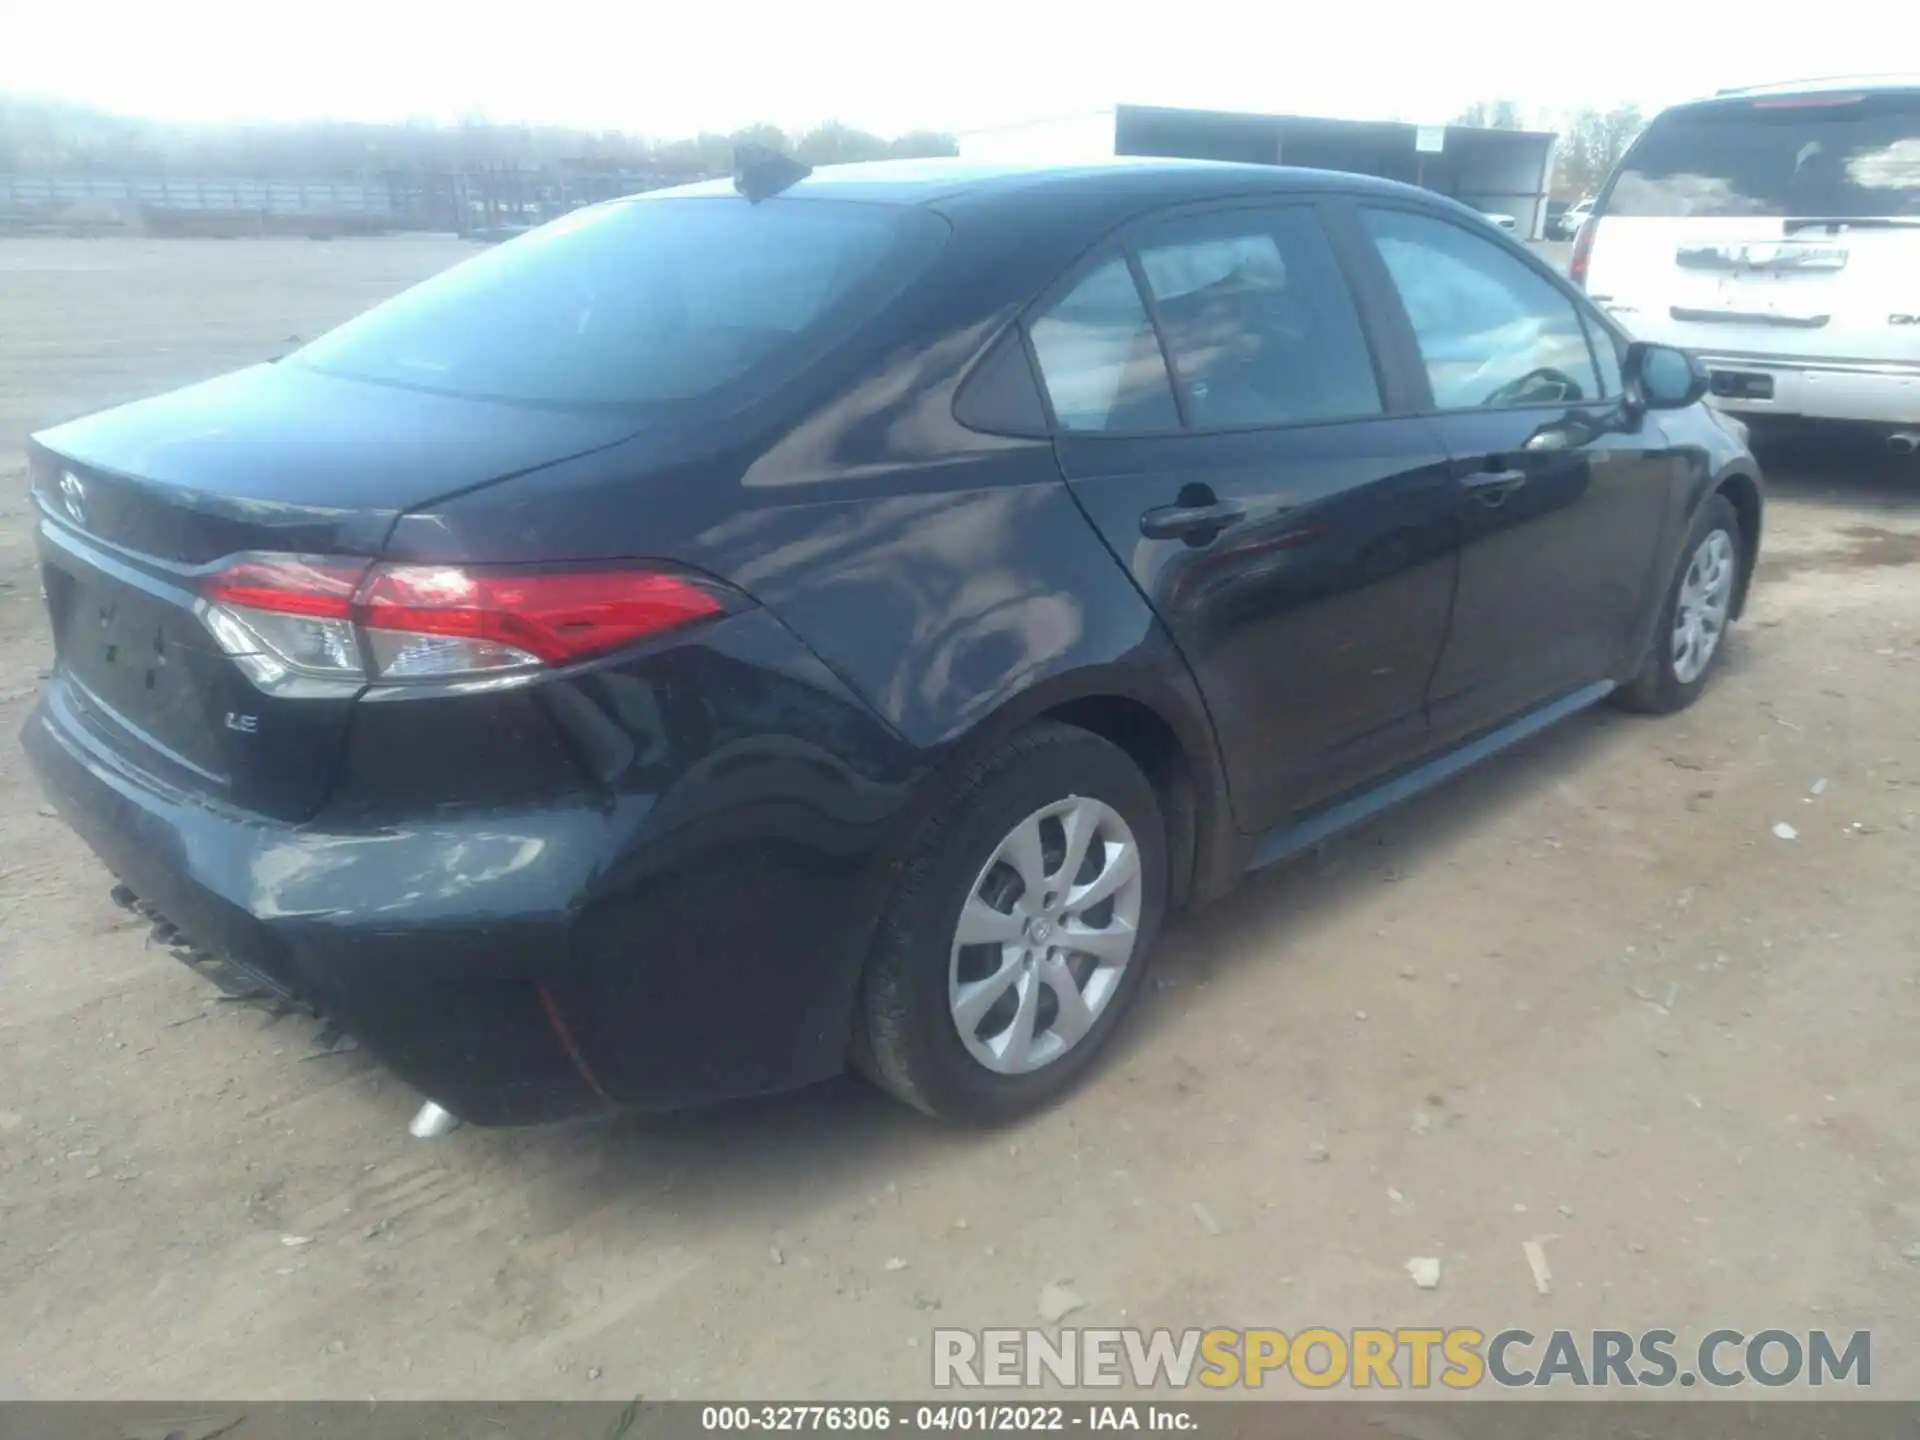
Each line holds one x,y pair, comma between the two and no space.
1150,304
1047,413
1594,330
1407,340
1396,398
1101,253
1599,319
1007,341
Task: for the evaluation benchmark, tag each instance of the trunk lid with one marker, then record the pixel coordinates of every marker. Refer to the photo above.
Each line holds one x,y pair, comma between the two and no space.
136,504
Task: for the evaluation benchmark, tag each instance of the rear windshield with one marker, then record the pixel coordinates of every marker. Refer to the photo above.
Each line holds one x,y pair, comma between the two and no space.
1846,156
640,303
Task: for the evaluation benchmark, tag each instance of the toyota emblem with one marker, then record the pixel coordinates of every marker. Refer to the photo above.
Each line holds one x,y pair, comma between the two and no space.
73,495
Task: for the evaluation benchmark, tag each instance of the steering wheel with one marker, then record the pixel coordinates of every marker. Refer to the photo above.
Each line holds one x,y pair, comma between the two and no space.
1563,385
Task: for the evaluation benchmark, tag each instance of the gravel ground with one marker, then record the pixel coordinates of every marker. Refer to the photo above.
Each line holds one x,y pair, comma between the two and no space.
1584,997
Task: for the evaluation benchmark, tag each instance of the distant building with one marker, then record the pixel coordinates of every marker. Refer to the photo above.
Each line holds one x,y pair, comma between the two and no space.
1502,172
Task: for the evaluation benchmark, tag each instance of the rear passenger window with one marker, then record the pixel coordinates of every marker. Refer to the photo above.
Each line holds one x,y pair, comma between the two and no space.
1492,331
1257,318
1099,359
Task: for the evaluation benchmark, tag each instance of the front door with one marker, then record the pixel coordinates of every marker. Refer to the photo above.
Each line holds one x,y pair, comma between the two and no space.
1561,485
1221,421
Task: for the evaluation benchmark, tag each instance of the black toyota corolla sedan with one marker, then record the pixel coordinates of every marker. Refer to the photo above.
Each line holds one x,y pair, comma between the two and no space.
750,629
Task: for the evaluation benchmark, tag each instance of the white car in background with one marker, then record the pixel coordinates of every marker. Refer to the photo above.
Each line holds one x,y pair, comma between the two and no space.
1567,223
1775,232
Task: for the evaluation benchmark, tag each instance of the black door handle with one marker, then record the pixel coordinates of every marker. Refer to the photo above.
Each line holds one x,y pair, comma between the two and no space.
1194,523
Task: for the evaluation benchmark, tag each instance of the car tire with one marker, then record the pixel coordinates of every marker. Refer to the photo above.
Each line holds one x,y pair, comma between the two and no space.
922,1035
1671,678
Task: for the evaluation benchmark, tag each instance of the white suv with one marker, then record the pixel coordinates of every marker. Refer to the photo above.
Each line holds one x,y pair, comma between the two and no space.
1776,233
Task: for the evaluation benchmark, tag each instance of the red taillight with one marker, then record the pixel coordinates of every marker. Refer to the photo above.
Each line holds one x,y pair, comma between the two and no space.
288,585
1808,102
287,620
284,617
1582,251
553,618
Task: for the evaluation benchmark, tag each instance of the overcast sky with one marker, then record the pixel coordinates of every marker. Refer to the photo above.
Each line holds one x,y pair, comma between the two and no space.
673,67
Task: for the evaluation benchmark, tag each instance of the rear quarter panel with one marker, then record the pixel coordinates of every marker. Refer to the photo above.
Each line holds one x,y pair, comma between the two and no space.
944,579
943,574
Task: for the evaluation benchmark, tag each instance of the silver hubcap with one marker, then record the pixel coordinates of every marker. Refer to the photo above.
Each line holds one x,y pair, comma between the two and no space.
1045,936
1700,618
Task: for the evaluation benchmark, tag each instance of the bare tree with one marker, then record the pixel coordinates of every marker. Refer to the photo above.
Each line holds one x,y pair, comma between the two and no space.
1591,144
1491,115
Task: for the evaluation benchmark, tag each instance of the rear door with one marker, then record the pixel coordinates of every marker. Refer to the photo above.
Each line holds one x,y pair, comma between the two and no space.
1774,225
1560,487
1221,420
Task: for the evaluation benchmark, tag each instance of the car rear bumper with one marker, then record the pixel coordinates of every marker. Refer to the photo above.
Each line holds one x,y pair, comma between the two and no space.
658,948
456,1014
1870,392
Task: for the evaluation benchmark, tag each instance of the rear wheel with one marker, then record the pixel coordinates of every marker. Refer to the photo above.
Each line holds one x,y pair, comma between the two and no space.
1692,631
1019,930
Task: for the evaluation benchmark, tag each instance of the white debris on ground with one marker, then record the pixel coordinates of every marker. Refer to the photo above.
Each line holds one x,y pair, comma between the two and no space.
1537,1263
1057,1302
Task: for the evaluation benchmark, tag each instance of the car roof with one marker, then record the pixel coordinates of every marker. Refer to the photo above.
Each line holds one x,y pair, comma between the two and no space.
1125,179
1903,80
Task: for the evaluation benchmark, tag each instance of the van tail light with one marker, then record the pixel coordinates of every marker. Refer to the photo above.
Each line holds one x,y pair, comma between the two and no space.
1808,102
1582,251
282,617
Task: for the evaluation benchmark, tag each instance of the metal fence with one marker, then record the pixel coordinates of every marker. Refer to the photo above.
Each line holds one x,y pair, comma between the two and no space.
466,202
270,197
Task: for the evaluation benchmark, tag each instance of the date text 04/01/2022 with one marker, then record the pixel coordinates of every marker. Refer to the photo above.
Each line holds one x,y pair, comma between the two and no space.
982,1418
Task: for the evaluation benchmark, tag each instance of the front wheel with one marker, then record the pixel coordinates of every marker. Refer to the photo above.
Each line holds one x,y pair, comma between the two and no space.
1692,631
1018,933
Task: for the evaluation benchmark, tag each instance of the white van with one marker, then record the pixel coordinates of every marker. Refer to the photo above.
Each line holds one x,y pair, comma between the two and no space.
1775,232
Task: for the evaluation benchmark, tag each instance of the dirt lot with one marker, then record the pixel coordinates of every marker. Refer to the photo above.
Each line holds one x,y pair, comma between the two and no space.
1584,996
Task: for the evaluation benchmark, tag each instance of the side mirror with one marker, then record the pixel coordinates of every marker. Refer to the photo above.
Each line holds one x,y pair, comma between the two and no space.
1664,378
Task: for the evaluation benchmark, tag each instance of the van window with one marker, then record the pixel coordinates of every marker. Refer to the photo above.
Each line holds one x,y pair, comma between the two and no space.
639,303
1854,156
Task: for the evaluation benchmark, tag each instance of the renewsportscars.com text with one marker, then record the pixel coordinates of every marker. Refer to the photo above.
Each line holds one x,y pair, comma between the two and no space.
1461,1358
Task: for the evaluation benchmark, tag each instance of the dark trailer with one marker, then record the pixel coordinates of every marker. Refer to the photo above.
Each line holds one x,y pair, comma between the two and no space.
1502,172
